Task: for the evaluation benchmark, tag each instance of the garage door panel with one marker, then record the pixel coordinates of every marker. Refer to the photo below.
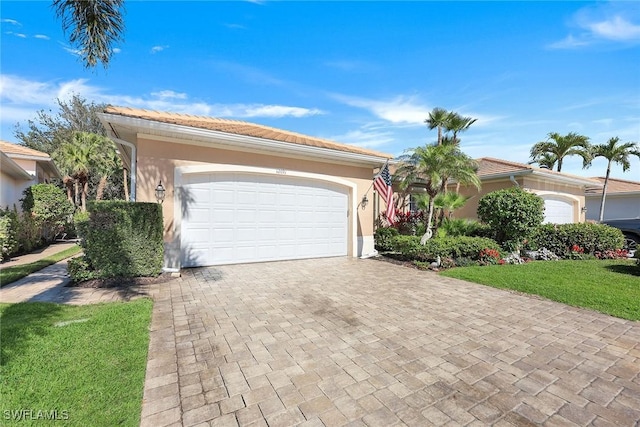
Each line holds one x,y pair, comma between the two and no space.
557,210
235,217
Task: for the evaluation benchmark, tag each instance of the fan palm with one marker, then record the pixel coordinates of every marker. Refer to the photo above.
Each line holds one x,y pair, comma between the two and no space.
614,152
438,119
449,201
95,25
456,124
560,146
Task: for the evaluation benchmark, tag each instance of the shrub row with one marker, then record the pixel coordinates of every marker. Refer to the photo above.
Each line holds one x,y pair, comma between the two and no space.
410,249
563,239
120,239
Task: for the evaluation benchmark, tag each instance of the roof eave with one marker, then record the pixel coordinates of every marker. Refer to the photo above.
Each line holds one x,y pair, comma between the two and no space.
12,168
234,140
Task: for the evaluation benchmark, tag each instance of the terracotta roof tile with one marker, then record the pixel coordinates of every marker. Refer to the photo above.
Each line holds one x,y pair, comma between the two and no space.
489,166
238,127
615,185
12,150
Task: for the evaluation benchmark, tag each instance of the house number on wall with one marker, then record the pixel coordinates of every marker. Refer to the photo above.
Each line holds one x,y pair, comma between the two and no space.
281,171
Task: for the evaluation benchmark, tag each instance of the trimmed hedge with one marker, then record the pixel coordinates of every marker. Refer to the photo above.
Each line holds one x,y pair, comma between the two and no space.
410,248
591,238
49,207
8,242
120,239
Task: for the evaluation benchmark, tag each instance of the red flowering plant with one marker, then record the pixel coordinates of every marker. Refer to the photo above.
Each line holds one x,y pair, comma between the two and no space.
408,222
617,254
576,252
489,257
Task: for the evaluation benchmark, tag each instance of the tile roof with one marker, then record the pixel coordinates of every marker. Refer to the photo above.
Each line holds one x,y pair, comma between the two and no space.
614,186
238,127
13,150
489,166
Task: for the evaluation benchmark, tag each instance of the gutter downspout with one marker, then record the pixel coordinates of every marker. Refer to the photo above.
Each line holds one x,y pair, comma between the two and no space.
513,179
134,163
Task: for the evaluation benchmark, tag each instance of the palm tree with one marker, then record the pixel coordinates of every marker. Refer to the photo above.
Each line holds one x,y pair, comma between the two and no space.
438,119
614,153
96,25
457,123
546,160
431,166
449,201
561,146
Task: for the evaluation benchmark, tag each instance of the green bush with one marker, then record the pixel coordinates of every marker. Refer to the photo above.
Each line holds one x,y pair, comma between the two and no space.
49,207
120,239
382,238
453,227
410,249
513,214
565,240
8,242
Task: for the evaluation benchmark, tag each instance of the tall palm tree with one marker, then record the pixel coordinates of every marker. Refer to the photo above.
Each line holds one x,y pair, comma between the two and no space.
614,153
432,165
457,123
561,146
96,25
438,119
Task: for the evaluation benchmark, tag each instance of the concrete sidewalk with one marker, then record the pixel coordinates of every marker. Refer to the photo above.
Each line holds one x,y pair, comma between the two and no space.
39,254
50,283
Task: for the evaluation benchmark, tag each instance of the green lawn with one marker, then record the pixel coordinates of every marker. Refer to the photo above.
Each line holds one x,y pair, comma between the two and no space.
85,362
611,286
11,274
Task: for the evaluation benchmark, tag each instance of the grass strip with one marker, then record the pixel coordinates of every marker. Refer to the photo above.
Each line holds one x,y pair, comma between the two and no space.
73,365
608,286
11,274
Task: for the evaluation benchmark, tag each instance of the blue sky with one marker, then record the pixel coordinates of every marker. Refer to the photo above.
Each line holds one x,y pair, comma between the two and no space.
363,73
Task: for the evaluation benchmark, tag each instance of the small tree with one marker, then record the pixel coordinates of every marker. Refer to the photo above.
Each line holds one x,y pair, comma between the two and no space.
513,214
49,207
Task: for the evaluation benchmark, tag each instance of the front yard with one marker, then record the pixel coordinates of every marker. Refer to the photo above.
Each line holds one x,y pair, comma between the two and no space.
611,287
79,365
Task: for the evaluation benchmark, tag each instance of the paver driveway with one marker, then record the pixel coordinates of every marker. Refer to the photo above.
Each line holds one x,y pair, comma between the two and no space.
364,342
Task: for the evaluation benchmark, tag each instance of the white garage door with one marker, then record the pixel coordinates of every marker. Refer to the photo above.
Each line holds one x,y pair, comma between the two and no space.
557,210
235,218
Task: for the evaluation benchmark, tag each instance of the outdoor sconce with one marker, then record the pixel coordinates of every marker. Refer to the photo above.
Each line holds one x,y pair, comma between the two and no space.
364,202
160,192
584,210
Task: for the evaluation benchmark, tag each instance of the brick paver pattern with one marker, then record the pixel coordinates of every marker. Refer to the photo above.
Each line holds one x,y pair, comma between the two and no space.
332,342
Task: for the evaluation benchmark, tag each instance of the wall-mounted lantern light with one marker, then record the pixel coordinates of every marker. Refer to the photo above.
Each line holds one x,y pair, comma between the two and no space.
584,209
364,202
160,192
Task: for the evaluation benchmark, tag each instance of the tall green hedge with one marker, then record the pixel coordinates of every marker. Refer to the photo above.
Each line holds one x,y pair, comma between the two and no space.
49,207
120,239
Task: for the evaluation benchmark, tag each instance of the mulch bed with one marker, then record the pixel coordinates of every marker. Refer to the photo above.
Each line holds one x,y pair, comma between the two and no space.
123,282
392,260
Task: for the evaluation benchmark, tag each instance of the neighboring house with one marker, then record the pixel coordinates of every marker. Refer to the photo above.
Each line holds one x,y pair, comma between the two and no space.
563,194
622,200
242,192
20,168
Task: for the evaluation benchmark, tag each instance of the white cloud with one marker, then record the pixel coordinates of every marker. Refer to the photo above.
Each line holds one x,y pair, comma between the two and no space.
169,94
42,37
11,21
259,110
401,109
235,26
157,49
617,22
117,50
616,28
21,98
21,35
365,138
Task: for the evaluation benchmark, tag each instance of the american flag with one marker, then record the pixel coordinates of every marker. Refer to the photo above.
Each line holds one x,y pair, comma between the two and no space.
382,184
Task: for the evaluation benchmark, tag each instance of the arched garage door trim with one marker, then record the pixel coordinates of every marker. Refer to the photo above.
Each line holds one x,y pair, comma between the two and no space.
562,197
350,187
